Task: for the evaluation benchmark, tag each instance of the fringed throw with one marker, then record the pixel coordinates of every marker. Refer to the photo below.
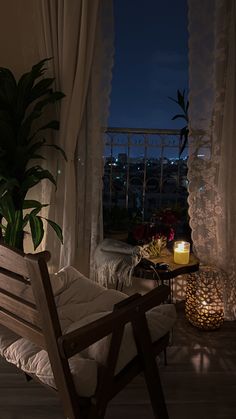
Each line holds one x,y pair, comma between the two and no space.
115,261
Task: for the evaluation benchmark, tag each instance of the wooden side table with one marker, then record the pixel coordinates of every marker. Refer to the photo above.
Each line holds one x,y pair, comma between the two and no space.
162,275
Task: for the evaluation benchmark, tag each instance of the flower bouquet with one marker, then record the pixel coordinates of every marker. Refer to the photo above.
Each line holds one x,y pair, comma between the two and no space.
155,247
155,235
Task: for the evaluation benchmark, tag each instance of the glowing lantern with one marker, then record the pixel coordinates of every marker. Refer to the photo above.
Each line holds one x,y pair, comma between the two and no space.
204,298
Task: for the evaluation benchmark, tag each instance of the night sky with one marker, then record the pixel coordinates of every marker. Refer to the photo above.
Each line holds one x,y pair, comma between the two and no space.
151,62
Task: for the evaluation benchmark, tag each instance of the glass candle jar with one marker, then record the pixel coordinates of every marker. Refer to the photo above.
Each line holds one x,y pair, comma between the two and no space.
181,252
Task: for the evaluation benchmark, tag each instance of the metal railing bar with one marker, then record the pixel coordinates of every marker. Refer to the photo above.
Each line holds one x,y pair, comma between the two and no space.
142,131
127,174
139,145
144,175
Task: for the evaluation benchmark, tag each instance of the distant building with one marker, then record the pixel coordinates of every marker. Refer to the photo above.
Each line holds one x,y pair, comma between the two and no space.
122,158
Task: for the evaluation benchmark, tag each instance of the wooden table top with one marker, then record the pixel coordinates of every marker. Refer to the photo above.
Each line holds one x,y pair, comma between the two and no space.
173,270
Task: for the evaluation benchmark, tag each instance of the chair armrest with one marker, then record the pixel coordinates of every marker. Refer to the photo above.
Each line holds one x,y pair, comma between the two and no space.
45,255
127,301
79,339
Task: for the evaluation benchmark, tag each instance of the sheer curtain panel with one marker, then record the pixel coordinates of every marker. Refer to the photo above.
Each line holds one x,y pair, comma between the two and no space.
78,35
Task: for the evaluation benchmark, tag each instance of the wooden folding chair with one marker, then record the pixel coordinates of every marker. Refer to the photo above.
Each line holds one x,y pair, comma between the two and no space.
35,318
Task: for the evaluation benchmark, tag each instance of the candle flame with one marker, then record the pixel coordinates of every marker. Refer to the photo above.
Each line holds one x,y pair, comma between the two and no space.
180,246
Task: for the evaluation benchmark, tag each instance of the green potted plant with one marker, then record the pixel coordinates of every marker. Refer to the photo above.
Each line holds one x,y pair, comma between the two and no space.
22,104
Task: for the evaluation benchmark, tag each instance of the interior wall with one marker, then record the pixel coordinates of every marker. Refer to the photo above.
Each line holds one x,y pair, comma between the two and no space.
18,35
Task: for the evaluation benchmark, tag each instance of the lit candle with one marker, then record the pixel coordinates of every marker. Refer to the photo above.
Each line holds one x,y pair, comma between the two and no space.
181,252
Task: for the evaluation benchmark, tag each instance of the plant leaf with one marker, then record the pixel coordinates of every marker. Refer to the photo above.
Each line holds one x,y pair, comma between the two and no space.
54,124
185,142
57,147
40,89
34,147
179,116
7,185
25,128
25,220
3,227
54,97
38,209
25,85
16,231
184,131
31,203
33,176
37,157
37,230
173,100
7,208
38,69
57,229
8,86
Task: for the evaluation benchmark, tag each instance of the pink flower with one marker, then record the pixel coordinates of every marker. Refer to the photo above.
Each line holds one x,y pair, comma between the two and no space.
171,235
146,232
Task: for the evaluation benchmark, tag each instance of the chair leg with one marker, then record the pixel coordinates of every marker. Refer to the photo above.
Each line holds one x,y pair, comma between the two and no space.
96,413
155,391
151,372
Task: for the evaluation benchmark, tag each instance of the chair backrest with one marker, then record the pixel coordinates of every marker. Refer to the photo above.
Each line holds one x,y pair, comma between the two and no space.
27,307
18,308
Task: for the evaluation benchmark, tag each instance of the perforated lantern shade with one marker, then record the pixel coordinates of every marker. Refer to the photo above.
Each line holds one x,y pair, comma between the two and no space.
204,298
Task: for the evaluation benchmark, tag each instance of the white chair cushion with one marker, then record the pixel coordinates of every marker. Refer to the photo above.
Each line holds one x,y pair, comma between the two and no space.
80,301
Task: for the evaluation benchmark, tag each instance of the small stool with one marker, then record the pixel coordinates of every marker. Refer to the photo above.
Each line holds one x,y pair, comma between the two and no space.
204,298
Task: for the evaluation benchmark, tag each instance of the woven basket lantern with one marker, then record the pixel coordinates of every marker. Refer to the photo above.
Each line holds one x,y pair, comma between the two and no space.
204,298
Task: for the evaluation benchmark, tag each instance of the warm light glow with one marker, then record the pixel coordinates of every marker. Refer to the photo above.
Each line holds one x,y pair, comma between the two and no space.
181,252
201,358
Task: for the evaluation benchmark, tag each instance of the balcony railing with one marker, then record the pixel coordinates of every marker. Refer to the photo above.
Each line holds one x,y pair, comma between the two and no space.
142,169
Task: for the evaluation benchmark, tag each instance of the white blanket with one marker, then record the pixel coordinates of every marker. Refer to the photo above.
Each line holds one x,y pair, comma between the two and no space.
115,261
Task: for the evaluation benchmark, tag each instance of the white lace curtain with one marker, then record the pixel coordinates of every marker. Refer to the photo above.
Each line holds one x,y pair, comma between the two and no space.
212,169
78,34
